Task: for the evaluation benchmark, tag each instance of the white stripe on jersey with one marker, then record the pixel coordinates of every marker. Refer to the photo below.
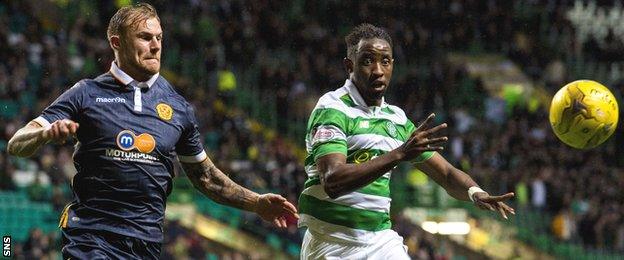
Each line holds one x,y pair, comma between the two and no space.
352,199
343,234
354,112
312,171
372,141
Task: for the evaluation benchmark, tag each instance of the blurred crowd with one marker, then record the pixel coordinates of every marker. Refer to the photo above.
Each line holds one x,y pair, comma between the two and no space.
292,52
183,243
180,243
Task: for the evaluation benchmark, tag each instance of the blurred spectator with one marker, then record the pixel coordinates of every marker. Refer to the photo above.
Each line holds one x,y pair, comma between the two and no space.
538,195
40,246
563,225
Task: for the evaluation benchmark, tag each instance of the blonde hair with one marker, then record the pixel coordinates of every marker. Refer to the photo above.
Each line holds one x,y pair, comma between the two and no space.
129,16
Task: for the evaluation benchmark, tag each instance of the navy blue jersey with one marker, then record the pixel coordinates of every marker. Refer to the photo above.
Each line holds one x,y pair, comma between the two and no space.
127,143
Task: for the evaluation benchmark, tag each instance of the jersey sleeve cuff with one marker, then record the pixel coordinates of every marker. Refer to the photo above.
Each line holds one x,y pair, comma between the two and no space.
193,158
43,122
327,148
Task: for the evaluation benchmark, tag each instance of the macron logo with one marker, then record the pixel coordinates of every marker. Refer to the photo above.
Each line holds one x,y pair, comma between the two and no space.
110,100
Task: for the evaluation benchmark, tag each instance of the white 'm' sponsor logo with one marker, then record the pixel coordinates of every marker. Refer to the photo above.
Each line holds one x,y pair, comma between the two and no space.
126,140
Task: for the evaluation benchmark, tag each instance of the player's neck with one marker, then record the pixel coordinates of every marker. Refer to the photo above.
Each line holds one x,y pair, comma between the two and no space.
133,72
372,102
369,101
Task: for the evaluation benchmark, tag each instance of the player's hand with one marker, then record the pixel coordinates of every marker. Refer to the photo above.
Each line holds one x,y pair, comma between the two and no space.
275,209
60,130
423,139
484,201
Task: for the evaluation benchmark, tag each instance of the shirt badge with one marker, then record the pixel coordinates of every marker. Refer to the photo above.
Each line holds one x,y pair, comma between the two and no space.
164,111
391,129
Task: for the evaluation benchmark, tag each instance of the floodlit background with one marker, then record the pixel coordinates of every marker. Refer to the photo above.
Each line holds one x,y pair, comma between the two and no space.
253,70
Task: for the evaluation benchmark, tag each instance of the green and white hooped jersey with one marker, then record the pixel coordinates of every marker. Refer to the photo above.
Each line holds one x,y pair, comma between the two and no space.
342,123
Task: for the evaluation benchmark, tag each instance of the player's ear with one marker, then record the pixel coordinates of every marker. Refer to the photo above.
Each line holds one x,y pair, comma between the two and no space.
114,42
348,64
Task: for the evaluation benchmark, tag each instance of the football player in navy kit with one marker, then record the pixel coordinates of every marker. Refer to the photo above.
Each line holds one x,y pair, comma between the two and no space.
130,124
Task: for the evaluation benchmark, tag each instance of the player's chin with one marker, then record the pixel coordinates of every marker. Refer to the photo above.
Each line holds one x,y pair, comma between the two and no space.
151,68
377,91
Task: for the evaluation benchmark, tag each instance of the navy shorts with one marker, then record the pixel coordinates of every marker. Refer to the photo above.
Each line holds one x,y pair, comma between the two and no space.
96,244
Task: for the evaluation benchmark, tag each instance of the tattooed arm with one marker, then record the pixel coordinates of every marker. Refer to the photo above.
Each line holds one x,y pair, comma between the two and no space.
209,180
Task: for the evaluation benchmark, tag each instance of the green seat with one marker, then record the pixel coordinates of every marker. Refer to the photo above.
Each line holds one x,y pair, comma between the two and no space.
28,99
524,233
559,249
274,241
293,249
18,215
542,242
8,109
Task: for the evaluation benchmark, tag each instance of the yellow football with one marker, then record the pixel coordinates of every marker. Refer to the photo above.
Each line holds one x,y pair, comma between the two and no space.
583,114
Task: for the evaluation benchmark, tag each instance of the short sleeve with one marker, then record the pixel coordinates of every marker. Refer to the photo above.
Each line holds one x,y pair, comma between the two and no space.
66,106
423,156
327,130
189,147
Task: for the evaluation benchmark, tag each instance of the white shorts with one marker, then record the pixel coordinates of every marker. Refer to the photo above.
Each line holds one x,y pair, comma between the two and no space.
388,245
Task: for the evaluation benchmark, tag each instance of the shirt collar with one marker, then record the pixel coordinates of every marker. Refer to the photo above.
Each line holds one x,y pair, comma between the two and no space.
357,98
126,79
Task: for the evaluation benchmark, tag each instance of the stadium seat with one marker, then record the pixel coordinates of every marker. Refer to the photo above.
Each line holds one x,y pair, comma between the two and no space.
274,241
293,249
18,215
9,109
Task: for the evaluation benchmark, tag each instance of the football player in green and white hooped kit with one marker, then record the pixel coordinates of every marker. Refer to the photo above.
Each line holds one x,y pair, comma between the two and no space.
354,140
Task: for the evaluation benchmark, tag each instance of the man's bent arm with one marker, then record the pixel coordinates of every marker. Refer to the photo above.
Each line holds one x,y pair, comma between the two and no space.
208,179
339,177
26,141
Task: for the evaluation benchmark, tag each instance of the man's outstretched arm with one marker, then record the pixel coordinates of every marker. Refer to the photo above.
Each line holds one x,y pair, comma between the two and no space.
454,181
457,184
209,180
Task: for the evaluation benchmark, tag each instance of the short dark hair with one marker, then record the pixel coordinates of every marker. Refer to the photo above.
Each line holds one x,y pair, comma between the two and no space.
364,31
128,16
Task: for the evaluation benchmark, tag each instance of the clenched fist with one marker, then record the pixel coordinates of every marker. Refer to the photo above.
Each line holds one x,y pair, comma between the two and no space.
60,130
